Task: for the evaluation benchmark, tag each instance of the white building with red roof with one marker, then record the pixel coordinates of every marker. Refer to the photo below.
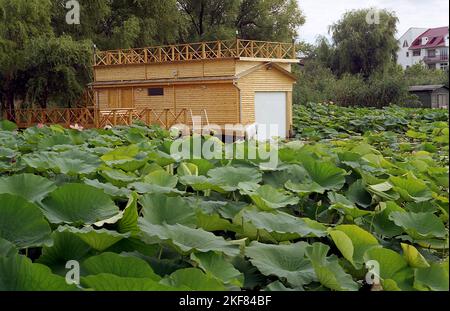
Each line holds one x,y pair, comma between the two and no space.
427,46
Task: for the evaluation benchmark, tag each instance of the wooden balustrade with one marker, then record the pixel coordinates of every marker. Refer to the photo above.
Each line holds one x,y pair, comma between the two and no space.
197,51
95,118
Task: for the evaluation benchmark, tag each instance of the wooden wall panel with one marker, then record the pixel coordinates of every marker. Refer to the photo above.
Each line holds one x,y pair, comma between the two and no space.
217,68
262,80
219,100
120,73
142,100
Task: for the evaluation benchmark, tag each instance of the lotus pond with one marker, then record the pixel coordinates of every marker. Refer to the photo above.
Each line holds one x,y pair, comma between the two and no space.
358,202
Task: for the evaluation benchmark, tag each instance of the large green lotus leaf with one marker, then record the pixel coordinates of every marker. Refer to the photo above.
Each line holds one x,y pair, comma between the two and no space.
201,183
413,257
229,177
114,283
22,223
18,273
327,269
383,190
353,242
162,179
66,246
123,266
283,261
435,277
203,165
324,173
128,158
381,222
119,178
187,169
358,194
75,162
280,222
277,286
291,172
411,189
108,188
216,265
419,225
78,204
129,220
6,125
159,209
186,239
214,222
193,279
343,205
305,188
57,139
121,153
32,187
7,248
97,239
268,198
394,269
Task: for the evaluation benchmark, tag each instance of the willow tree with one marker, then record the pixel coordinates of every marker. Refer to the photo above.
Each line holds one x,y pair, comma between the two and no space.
20,22
364,41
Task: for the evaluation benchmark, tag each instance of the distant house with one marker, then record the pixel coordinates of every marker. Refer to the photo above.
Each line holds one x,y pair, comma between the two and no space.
431,96
404,56
429,46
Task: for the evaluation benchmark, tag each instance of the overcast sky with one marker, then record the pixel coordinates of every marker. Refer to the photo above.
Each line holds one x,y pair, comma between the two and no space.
412,13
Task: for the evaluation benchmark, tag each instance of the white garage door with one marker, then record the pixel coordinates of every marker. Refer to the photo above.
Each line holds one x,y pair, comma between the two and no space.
270,114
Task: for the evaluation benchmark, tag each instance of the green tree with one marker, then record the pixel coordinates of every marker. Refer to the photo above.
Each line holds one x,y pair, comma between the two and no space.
209,19
58,70
362,47
20,21
276,20
418,74
113,24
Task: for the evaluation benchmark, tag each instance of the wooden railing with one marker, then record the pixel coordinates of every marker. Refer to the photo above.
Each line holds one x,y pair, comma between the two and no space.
95,118
197,51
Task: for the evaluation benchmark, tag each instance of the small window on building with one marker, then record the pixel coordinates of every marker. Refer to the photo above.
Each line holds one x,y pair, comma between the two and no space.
405,44
444,66
158,91
407,54
416,53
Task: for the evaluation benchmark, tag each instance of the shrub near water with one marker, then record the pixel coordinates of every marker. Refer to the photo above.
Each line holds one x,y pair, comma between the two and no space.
361,186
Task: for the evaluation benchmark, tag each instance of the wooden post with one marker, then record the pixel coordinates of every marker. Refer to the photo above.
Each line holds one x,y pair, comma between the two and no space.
67,118
294,52
145,56
203,50
219,49
238,47
252,47
167,119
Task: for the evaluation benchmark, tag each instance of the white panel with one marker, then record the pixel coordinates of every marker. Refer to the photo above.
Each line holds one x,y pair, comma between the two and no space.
270,114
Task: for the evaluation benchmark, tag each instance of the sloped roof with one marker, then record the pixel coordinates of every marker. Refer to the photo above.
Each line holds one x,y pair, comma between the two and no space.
267,65
424,88
436,38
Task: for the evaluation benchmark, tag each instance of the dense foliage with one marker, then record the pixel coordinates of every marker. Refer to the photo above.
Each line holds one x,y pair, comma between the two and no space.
40,52
361,186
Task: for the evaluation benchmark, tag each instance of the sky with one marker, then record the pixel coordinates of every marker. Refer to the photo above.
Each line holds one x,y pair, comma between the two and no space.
412,13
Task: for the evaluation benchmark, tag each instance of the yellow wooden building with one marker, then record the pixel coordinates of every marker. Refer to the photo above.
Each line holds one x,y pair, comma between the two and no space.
226,82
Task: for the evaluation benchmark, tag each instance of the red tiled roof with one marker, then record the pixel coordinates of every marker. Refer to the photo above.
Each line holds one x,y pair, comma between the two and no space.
436,38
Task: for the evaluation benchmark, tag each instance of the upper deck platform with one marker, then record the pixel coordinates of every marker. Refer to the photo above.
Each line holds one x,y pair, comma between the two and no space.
235,49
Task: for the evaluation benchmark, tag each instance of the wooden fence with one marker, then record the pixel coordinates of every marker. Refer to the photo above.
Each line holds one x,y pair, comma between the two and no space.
197,51
95,118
